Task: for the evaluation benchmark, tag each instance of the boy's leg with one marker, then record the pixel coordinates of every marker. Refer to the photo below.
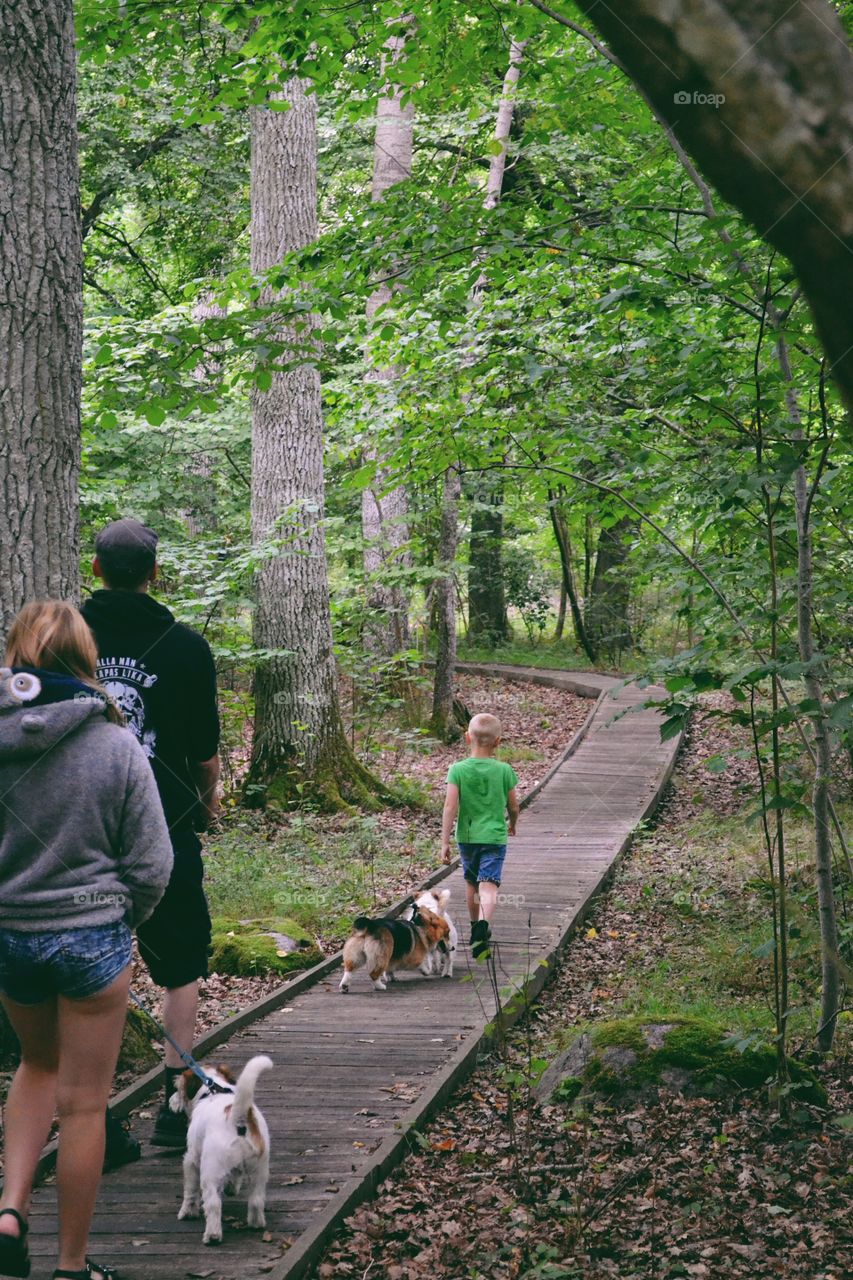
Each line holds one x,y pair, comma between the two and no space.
488,898
473,896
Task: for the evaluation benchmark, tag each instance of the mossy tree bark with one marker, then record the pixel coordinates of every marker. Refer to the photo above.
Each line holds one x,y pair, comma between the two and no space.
41,305
300,753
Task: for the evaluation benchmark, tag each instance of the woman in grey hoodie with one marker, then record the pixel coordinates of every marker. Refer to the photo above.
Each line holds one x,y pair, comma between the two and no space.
84,857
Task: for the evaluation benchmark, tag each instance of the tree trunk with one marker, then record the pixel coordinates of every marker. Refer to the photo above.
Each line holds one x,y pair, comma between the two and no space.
299,751
384,511
561,535
760,94
607,623
201,516
487,620
41,305
562,609
443,724
814,680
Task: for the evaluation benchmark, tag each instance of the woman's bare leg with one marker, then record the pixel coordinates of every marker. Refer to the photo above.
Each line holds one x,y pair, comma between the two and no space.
30,1104
90,1037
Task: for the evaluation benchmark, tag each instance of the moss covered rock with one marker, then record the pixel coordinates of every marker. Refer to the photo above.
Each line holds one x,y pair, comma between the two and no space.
137,1052
634,1056
245,948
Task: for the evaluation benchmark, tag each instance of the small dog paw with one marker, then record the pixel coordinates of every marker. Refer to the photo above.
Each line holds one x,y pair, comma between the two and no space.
379,986
188,1211
211,1239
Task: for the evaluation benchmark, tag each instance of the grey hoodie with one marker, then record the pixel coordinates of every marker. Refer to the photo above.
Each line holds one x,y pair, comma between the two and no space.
83,840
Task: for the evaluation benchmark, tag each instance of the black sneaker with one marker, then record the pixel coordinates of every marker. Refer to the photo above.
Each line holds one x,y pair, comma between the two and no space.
121,1146
480,936
170,1129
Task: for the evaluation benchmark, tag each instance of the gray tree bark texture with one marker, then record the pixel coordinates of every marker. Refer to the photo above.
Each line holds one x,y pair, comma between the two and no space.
41,305
201,516
299,750
761,95
443,723
487,618
384,509
608,627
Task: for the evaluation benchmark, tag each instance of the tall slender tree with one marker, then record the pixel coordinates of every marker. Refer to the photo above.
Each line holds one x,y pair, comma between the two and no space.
300,751
487,620
41,304
384,506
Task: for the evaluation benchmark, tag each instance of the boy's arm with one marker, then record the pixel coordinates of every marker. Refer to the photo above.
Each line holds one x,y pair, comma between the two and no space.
448,818
513,809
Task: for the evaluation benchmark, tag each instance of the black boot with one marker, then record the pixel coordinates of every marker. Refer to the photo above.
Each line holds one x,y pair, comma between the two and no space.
480,935
121,1147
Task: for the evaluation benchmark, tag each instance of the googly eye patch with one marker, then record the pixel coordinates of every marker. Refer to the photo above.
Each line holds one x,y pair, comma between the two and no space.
24,687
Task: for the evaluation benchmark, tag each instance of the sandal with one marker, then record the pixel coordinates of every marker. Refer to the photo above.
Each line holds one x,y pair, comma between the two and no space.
14,1254
92,1271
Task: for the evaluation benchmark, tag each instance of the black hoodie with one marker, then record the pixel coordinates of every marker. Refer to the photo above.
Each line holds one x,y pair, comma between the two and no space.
161,675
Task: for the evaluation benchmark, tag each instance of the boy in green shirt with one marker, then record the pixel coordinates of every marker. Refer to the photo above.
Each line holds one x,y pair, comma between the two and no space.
480,793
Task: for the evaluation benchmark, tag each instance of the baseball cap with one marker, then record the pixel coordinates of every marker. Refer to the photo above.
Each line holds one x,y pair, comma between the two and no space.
127,551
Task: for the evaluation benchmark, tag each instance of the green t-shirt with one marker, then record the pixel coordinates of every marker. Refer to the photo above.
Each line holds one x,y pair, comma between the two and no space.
484,784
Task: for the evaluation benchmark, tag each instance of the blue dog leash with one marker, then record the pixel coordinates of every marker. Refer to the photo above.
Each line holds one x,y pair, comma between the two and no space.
186,1058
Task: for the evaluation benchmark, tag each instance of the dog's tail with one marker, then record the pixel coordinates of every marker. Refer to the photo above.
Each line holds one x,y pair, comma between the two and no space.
244,1090
364,924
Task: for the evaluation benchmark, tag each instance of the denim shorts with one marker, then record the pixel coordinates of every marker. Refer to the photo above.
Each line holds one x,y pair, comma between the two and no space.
75,963
482,862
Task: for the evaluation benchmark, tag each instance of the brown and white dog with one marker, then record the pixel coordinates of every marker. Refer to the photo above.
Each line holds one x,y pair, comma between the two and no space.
438,962
387,944
228,1144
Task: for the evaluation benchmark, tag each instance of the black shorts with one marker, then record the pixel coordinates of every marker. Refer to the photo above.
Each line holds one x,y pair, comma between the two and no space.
174,942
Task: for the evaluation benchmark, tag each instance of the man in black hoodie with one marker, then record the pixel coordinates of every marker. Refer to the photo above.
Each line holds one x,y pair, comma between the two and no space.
162,677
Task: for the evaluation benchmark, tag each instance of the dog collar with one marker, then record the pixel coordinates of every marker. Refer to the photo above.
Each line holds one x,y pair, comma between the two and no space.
213,1087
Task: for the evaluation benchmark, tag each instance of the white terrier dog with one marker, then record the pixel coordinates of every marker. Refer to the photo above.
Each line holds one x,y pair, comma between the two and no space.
228,1144
439,961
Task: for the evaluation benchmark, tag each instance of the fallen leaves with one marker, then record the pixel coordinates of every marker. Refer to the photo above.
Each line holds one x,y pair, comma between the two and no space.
688,1189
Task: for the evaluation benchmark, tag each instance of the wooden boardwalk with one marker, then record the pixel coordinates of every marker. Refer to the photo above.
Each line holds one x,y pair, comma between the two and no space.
353,1073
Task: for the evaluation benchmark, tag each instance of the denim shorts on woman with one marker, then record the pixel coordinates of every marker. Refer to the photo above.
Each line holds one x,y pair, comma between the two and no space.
482,862
75,963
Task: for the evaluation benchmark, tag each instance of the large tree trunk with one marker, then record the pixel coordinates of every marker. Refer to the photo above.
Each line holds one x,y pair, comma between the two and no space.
443,723
201,516
607,623
384,510
761,95
300,752
487,620
41,304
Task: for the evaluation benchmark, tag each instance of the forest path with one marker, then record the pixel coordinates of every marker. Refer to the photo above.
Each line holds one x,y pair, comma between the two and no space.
353,1074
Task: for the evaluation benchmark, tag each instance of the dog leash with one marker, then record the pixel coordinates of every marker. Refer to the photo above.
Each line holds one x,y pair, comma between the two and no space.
186,1058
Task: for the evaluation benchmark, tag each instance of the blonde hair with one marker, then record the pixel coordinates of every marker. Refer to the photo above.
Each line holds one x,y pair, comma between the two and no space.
52,635
485,729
